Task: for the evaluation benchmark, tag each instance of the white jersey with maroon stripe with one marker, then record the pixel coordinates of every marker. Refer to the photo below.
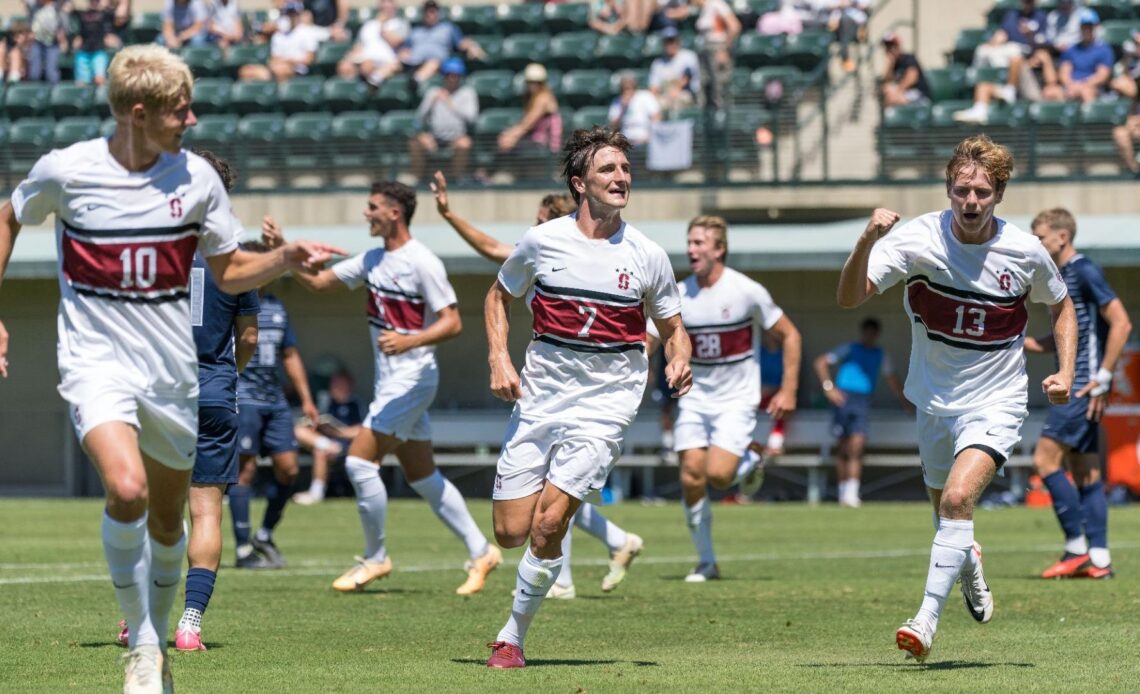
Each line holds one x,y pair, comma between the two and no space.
126,243
406,288
724,323
590,299
967,307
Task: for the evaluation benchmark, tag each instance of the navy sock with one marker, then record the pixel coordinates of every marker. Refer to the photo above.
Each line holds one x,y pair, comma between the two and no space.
276,507
239,510
199,588
1094,506
1066,504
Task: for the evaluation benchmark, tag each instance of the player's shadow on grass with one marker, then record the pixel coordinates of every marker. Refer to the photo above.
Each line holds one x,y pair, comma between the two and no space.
540,662
212,645
948,665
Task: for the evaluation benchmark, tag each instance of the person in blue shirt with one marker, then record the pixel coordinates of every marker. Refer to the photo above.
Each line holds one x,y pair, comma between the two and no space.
328,440
1072,431
1086,68
858,367
265,428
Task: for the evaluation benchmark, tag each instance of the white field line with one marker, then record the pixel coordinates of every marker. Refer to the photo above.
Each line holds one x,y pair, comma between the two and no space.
326,567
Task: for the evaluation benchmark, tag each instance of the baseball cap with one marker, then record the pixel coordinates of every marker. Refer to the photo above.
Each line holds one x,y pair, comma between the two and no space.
670,33
1089,16
534,73
453,66
291,7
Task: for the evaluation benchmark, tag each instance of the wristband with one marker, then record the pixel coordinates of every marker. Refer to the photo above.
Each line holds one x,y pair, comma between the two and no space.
828,386
1103,380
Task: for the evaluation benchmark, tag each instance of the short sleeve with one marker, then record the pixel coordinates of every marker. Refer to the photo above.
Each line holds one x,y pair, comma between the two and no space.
168,11
435,286
456,37
517,273
763,309
220,226
39,194
1095,283
351,271
288,338
1067,56
1048,286
662,298
839,354
248,304
889,263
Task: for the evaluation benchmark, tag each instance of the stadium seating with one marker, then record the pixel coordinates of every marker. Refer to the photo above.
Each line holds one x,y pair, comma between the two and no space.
947,83
756,50
260,136
566,17
519,50
253,97
217,133
70,100
474,19
302,94
212,95
492,50
618,52
572,51
204,61
394,94
328,55
25,99
342,95
75,129
27,139
306,138
255,54
584,87
493,87
355,141
145,27
519,18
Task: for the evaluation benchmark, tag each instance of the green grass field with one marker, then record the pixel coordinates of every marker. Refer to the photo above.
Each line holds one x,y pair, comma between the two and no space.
810,600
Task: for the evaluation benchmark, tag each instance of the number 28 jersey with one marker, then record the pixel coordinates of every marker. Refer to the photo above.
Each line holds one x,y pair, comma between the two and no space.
967,305
126,243
590,299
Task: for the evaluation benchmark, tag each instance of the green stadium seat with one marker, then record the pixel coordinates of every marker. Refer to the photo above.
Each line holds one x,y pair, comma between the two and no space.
245,54
217,133
752,9
253,97
204,61
75,129
107,127
983,75
344,95
997,12
1013,116
493,88
28,139
328,55
260,136
70,100
1113,9
493,121
475,19
356,141
395,94
396,128
145,27
1054,137
947,83
808,49
585,88
492,46
756,50
790,77
967,42
942,113
1064,114
355,19
521,49
588,117
619,52
99,105
565,17
1095,132
909,117
25,99
302,94
572,51
521,18
306,139
653,47
212,95
1117,32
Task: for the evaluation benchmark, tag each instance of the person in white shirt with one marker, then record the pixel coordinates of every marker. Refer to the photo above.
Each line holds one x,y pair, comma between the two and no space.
969,277
374,57
724,313
591,281
224,23
130,213
634,111
292,48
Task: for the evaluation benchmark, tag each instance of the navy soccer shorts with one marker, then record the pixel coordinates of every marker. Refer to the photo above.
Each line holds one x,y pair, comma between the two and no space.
265,430
217,460
854,417
1069,425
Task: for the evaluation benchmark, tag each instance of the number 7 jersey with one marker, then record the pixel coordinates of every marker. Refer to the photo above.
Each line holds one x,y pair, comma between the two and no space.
967,306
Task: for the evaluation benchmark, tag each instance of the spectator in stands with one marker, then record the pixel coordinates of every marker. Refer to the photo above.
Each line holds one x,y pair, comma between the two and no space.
718,27
49,39
90,44
786,20
374,56
669,13
292,48
224,25
1025,27
14,52
1085,68
903,81
999,52
1063,27
608,16
328,439
675,76
634,111
120,24
848,19
541,123
331,16
433,42
445,118
1128,86
184,23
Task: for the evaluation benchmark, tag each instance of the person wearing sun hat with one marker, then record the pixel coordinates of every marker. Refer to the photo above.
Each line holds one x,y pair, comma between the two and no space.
541,122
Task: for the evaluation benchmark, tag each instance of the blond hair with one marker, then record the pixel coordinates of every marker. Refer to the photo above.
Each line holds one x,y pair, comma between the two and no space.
716,225
1057,218
149,75
981,152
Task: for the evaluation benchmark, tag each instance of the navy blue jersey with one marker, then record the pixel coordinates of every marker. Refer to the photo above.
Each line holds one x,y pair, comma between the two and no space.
1089,291
212,314
259,384
347,412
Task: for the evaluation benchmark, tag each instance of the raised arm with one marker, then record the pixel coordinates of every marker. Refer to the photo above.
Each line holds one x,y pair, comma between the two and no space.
678,352
245,340
9,229
854,286
505,383
295,370
784,400
1064,318
484,244
240,271
446,326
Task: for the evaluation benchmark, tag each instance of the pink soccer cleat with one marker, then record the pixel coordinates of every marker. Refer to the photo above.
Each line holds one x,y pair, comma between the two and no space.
188,640
124,633
505,656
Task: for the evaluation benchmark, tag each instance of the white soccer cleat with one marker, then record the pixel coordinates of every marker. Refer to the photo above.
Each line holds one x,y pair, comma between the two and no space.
621,560
703,573
145,671
975,590
916,638
559,592
307,499
753,478
365,572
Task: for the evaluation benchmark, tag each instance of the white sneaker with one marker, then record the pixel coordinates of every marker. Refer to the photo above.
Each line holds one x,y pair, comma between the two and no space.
1007,93
145,671
753,473
916,638
975,590
975,114
559,592
621,560
703,573
850,502
307,498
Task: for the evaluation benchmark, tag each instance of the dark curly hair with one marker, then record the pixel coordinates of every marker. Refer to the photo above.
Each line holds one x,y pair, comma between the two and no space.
580,149
402,195
227,173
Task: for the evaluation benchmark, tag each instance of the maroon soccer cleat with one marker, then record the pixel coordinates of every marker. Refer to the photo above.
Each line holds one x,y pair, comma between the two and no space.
505,656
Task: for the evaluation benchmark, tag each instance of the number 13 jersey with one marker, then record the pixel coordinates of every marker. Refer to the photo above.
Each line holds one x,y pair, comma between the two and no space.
590,299
967,308
126,243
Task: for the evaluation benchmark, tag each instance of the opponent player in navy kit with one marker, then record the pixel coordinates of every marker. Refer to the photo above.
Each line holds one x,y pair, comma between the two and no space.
131,210
1072,431
968,276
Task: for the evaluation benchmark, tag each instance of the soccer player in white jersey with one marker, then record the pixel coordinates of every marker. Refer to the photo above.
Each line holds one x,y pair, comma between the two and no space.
411,308
130,212
623,546
968,276
591,280
724,313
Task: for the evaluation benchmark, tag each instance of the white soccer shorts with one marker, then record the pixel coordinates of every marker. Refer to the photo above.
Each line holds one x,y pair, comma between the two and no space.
574,456
941,439
400,409
730,430
167,425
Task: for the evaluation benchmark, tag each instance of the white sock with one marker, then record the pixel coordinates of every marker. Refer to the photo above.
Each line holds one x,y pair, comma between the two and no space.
590,519
535,576
165,580
317,489
128,559
263,535
565,576
1100,557
447,503
191,619
948,555
699,519
371,504
747,464
1077,545
853,489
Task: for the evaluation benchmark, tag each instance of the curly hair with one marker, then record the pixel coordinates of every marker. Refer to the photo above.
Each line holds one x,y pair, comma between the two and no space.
580,149
981,152
226,172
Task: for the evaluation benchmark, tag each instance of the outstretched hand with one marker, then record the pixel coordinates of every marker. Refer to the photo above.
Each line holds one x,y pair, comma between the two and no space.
310,256
272,234
439,187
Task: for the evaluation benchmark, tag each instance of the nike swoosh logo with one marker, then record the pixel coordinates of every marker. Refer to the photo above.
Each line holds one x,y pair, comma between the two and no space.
531,595
167,585
943,566
558,269
125,585
91,207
